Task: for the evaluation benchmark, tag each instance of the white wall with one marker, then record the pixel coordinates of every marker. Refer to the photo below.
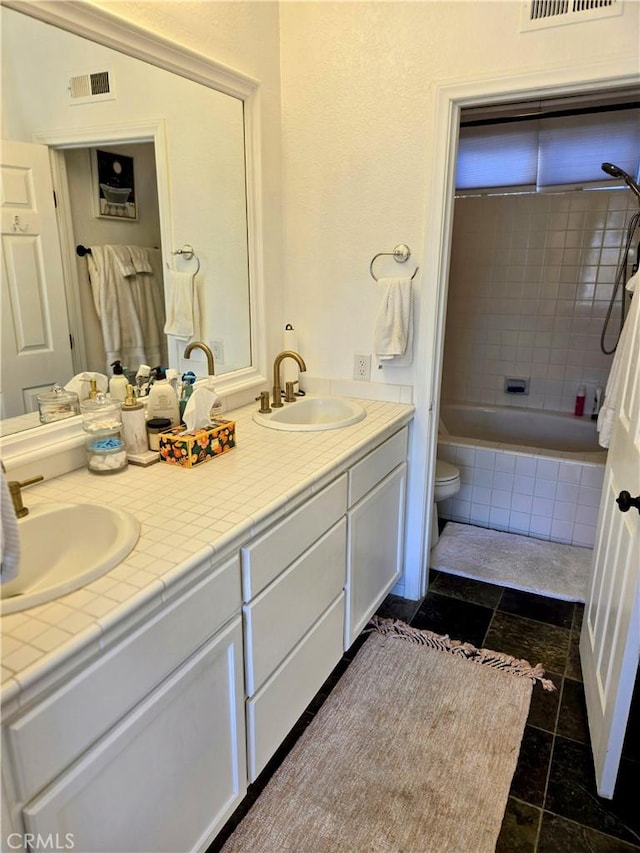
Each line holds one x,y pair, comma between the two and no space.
363,116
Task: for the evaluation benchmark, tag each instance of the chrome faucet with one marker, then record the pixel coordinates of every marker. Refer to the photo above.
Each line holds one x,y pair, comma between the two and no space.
15,488
205,349
277,389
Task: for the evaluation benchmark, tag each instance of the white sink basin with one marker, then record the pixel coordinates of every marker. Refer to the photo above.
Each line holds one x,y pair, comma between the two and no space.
64,547
313,413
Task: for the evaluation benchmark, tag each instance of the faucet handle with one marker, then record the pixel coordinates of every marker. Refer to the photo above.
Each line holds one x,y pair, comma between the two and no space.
289,395
265,408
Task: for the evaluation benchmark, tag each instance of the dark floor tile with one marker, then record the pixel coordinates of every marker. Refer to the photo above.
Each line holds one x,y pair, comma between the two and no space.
537,607
394,607
574,667
529,780
543,711
578,614
558,834
486,594
631,748
519,828
572,720
533,641
461,620
571,792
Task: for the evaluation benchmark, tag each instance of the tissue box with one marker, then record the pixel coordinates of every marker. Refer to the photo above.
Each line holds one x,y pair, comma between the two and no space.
189,449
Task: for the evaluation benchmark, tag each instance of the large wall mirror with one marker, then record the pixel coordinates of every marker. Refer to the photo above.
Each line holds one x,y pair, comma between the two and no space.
181,126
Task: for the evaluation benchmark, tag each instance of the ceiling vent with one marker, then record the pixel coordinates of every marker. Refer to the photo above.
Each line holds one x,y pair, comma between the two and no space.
86,88
553,13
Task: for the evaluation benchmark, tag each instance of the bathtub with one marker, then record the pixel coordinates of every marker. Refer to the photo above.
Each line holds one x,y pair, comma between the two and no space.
523,471
523,427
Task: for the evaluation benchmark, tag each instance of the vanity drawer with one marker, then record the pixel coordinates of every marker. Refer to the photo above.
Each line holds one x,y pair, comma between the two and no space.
285,610
45,740
270,554
274,710
370,470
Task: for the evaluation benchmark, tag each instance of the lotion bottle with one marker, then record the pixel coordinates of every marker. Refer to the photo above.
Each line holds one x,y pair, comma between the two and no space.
579,407
118,382
163,401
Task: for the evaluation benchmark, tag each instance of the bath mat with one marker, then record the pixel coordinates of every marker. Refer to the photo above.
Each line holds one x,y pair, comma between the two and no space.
414,751
515,561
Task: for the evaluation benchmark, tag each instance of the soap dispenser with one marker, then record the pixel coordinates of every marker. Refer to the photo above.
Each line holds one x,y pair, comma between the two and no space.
134,427
163,401
118,382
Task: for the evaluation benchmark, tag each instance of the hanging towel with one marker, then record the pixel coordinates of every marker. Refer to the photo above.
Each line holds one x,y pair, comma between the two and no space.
181,304
393,333
140,259
608,412
122,257
9,535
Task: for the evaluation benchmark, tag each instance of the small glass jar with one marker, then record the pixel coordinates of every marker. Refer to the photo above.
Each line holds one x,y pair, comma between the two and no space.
154,427
57,404
102,421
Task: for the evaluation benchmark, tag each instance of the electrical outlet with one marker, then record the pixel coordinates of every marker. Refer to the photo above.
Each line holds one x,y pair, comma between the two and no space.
218,352
362,367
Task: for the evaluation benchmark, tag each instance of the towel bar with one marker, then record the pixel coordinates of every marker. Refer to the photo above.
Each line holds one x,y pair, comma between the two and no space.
400,254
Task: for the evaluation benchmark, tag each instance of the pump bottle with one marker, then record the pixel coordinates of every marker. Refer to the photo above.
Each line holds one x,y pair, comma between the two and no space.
118,382
163,401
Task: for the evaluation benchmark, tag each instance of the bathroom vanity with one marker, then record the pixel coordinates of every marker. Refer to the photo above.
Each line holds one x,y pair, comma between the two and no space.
137,710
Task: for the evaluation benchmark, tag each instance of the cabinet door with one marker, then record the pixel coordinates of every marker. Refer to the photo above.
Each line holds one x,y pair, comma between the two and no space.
170,774
375,549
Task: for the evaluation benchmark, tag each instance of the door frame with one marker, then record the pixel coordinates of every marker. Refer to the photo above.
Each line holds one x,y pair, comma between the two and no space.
151,130
441,144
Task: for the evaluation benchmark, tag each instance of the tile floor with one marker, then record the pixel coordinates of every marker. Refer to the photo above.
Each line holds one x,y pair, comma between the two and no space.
553,806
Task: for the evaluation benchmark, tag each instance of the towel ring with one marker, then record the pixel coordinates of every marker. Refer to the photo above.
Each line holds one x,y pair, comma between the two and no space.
188,252
400,254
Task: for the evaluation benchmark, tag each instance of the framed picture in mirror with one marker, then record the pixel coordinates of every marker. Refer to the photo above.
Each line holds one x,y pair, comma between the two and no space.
114,190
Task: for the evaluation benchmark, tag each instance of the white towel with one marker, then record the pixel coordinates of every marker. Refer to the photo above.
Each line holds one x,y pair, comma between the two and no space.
609,411
393,333
181,304
140,259
123,259
9,535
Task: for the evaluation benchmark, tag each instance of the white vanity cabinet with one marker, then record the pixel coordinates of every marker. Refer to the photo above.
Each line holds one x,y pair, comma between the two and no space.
144,749
377,486
293,586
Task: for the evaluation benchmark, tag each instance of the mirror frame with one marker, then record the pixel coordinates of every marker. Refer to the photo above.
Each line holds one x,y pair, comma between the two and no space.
102,27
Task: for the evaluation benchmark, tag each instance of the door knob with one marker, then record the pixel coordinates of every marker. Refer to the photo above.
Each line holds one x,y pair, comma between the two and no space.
625,502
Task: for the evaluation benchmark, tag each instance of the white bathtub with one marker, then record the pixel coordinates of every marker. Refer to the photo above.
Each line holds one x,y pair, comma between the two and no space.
533,428
523,470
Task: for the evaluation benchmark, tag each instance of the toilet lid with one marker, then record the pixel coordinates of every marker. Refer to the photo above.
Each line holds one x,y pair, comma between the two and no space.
445,471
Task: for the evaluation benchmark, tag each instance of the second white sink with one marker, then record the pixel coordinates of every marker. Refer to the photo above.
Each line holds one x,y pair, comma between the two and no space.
64,547
313,413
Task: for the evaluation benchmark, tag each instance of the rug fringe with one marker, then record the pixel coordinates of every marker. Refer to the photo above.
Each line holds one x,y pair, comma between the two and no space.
442,642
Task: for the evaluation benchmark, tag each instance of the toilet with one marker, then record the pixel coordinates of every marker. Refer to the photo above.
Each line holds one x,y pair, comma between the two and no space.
446,485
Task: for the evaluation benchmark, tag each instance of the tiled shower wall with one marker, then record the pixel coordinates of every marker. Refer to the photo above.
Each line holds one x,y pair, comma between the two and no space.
530,283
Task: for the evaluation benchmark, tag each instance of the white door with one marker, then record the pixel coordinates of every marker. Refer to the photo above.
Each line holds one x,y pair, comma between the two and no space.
610,639
36,349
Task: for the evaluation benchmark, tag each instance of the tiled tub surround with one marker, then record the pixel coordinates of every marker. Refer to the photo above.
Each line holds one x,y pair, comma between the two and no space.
187,517
536,492
530,282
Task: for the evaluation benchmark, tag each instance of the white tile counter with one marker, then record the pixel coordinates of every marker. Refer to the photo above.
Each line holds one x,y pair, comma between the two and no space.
187,518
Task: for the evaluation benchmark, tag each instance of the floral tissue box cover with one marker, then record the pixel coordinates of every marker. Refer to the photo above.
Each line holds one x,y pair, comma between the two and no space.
188,449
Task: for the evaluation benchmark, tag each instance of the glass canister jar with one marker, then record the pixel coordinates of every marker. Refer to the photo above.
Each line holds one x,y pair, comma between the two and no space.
57,404
102,422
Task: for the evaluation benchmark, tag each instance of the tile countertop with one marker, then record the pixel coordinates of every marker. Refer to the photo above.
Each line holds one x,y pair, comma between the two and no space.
187,518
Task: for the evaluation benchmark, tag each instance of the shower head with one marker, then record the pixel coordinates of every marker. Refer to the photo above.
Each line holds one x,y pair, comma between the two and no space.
617,172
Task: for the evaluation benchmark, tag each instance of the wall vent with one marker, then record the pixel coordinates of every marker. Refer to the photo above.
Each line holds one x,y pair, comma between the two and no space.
553,13
86,88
